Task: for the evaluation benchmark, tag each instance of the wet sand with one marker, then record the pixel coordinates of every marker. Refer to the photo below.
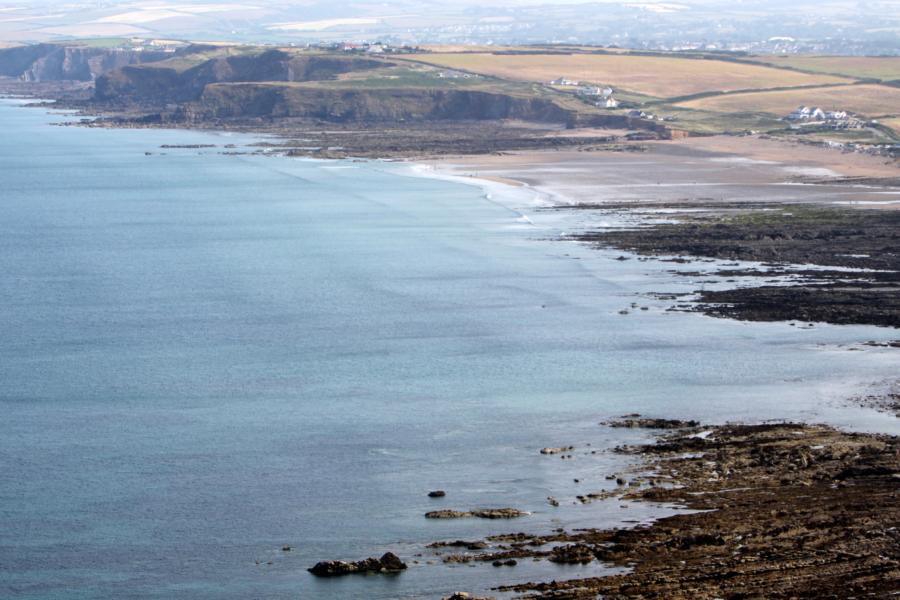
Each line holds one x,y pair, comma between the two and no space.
709,170
848,164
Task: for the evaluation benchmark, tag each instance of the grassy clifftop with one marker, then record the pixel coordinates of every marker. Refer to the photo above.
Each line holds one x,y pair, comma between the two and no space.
185,78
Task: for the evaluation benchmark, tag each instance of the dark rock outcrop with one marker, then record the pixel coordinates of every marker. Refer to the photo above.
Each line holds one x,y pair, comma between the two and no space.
481,513
572,554
388,563
650,423
783,510
783,237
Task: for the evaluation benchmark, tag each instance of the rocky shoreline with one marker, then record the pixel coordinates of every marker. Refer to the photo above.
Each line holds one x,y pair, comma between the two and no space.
855,254
311,137
774,510
434,140
785,510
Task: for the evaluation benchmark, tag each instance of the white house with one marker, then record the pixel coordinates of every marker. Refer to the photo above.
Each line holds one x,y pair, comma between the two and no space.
806,113
565,82
610,103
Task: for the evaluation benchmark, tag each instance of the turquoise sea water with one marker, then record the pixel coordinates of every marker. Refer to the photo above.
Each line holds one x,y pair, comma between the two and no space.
206,357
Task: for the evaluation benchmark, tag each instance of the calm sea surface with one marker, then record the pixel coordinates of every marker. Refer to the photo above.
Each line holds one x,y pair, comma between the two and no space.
206,357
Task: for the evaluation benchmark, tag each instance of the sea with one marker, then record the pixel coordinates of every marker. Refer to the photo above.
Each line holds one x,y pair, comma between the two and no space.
209,354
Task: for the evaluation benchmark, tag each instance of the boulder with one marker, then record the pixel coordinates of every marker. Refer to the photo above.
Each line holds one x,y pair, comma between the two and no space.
572,554
388,563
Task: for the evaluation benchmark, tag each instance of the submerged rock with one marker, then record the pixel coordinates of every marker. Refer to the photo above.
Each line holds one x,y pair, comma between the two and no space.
510,562
447,514
498,513
476,545
648,423
388,563
437,494
480,513
557,450
465,596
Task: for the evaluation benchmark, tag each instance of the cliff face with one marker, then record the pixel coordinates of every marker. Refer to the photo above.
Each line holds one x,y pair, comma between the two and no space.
231,101
56,62
156,84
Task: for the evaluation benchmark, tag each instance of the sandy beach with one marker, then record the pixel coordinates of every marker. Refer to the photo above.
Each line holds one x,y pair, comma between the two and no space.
705,169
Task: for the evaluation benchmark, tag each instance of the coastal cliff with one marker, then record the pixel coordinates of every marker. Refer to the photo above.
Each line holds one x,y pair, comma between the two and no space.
427,109
171,82
58,62
229,101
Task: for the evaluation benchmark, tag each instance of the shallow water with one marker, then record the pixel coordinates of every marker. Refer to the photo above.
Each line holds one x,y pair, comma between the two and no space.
206,357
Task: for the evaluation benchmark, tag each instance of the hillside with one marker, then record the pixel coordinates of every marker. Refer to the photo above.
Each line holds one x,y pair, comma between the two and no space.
233,85
184,79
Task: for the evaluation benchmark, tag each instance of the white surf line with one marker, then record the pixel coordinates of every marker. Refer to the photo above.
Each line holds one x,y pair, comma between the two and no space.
504,191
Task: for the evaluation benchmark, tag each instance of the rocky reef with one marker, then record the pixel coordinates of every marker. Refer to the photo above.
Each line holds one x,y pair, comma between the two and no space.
783,236
779,510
